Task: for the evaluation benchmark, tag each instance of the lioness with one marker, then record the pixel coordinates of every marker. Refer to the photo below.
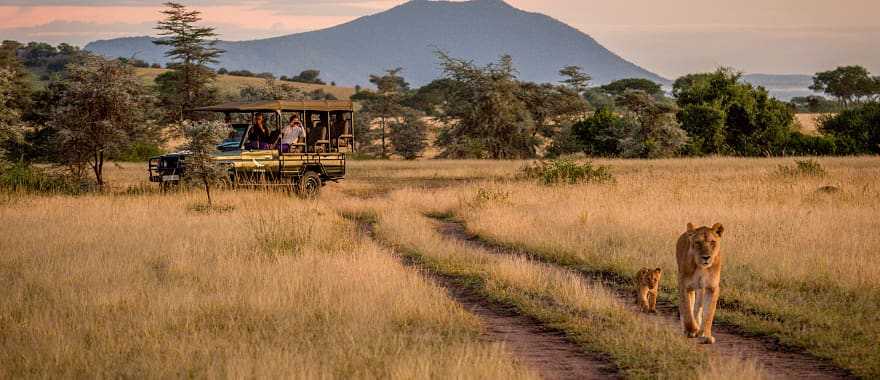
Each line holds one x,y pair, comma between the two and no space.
698,253
647,287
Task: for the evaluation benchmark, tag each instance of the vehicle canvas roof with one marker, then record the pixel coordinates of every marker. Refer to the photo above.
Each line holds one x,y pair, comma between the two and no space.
281,105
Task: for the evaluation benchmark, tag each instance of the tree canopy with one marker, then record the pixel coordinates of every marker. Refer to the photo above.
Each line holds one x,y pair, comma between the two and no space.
192,49
849,84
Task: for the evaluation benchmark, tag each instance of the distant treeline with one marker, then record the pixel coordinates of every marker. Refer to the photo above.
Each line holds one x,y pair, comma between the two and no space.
88,109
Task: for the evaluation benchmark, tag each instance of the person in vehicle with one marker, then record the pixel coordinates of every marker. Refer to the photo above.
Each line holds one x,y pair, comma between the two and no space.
291,134
259,136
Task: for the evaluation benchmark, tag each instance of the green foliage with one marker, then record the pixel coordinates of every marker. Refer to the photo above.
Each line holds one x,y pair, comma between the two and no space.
409,135
575,78
564,142
814,104
202,138
307,76
138,152
384,105
17,88
191,51
807,168
600,134
20,177
650,130
800,144
620,87
552,106
856,131
848,84
705,126
103,109
754,123
566,171
485,112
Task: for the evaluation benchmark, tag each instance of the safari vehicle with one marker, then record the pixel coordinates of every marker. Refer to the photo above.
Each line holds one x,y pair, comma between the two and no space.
304,166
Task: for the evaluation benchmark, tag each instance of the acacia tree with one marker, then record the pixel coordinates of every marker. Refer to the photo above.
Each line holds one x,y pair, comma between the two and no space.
848,84
103,107
192,48
409,134
385,103
575,78
485,114
650,130
202,138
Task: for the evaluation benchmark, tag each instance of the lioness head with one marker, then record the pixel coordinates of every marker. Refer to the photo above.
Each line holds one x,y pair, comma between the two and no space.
705,244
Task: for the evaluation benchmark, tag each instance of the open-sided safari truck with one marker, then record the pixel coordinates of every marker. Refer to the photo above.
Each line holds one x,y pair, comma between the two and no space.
304,165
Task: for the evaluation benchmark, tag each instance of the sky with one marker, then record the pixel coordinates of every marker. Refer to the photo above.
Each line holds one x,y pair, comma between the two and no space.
670,37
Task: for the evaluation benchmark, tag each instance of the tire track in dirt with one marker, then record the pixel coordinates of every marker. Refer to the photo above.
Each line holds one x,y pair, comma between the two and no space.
778,361
540,348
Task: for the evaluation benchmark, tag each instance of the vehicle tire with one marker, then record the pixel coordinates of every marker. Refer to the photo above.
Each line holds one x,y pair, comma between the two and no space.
309,185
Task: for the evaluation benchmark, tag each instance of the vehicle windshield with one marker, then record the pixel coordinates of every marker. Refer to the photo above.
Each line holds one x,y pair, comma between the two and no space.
233,139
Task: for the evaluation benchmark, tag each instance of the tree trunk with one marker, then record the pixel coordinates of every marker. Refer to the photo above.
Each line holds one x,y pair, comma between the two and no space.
98,168
383,137
208,191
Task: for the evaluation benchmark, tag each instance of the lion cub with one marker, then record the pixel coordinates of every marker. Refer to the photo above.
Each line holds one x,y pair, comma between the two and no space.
647,285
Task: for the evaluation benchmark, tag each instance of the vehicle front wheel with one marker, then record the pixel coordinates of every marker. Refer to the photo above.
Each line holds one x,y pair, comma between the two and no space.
309,185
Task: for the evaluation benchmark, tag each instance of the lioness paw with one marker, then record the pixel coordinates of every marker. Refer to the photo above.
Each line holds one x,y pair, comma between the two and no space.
707,340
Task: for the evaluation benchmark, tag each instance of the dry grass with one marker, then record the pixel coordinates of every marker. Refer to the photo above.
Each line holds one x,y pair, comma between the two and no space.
587,312
115,286
135,284
801,264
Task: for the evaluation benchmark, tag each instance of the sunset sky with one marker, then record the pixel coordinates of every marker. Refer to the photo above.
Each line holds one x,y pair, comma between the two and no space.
669,37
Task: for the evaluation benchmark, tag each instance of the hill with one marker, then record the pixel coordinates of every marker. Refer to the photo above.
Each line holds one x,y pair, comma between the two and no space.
783,87
407,36
230,85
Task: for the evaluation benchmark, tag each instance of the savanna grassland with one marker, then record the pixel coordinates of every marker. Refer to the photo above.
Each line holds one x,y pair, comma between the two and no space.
134,283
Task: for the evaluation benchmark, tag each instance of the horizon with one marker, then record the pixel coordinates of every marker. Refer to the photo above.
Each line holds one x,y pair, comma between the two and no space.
789,45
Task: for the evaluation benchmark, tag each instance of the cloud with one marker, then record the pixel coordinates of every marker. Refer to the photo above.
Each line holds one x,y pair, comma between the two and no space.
80,33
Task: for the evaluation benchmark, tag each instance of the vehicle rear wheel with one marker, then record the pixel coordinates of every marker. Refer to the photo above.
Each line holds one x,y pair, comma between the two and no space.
309,185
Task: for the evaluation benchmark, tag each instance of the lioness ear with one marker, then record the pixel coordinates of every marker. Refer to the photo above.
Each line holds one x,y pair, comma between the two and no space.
690,227
718,228
658,270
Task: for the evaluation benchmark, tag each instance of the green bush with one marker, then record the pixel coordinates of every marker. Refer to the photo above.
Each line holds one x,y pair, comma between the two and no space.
21,177
566,171
800,144
857,130
807,168
138,152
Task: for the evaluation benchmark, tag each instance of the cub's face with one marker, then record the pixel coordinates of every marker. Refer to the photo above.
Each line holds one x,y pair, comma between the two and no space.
654,278
705,244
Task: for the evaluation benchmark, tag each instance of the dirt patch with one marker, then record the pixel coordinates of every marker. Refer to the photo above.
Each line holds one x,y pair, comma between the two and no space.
775,359
540,348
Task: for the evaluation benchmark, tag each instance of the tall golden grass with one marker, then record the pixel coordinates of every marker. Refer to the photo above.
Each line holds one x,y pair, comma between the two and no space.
801,259
142,286
136,284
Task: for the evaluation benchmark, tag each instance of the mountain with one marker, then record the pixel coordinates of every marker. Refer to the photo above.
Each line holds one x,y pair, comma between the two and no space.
407,36
783,87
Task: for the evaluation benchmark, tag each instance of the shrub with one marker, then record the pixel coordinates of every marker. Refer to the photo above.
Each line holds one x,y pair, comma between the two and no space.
807,145
808,168
566,171
138,152
21,177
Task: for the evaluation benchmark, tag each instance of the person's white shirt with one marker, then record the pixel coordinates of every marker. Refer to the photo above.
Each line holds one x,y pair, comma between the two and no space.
290,134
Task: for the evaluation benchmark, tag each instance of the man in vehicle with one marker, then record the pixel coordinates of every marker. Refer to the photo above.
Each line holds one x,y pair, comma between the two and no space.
291,134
